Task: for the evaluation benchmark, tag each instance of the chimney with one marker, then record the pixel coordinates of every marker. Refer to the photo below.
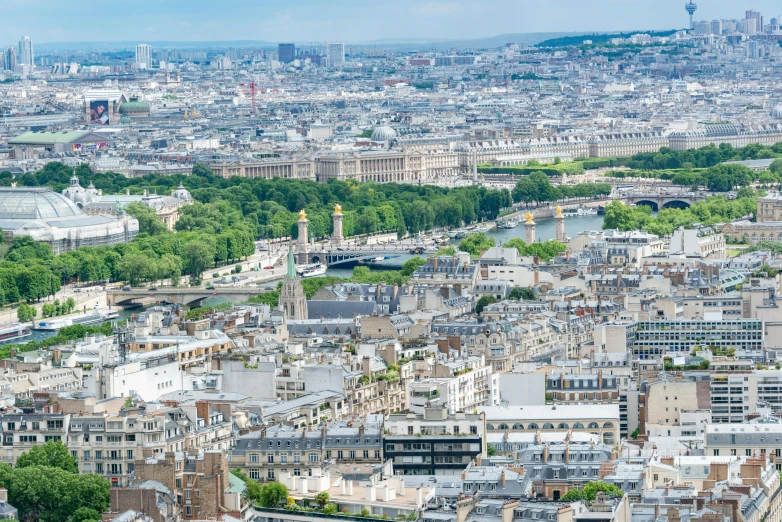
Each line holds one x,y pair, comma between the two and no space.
419,497
202,411
378,289
502,478
435,263
365,368
56,356
396,290
361,431
12,354
350,488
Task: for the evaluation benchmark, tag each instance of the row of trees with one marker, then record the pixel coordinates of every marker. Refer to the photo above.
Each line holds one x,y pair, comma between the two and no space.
270,207
536,188
716,209
709,156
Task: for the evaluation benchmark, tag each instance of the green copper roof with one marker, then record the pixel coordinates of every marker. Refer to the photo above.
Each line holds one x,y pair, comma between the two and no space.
291,265
47,138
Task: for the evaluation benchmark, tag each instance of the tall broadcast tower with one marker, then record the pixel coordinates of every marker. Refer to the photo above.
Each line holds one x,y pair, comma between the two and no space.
690,8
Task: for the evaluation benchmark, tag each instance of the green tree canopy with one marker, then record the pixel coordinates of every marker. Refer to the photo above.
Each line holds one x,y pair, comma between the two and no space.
53,454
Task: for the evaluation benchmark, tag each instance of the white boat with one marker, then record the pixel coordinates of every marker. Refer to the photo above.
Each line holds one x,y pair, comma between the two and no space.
15,331
313,271
577,212
507,224
93,317
481,229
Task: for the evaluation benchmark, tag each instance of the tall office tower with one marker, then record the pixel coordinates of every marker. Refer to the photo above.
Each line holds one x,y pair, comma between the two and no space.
144,56
335,53
286,53
9,59
701,28
716,27
26,56
690,8
753,22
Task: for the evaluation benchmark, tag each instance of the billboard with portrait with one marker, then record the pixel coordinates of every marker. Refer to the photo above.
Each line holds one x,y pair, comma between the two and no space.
99,112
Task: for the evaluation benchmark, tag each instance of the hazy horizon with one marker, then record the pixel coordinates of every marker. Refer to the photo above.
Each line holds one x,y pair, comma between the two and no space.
83,21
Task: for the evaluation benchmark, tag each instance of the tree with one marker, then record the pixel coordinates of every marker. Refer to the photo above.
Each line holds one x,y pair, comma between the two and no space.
85,514
198,255
590,490
490,451
636,432
322,499
148,221
476,243
411,265
52,454
483,302
272,494
522,293
26,312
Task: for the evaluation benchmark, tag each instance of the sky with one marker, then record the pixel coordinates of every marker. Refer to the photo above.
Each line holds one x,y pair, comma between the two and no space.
352,21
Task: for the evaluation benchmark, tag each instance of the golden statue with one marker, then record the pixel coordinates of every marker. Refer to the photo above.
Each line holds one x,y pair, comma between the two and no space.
528,217
302,215
559,211
338,209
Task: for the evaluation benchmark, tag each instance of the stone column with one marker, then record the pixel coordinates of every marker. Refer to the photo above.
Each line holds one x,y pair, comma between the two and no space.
301,242
559,227
529,227
336,236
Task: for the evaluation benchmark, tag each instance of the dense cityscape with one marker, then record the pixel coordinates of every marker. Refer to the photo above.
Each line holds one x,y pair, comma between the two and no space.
529,277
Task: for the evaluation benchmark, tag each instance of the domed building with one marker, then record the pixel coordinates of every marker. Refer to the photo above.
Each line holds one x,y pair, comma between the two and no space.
383,133
134,108
53,218
79,195
182,193
92,201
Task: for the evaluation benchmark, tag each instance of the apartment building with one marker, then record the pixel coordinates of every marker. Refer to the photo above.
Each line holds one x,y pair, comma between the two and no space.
653,339
569,389
269,453
459,385
20,432
109,445
598,419
761,437
435,442
198,480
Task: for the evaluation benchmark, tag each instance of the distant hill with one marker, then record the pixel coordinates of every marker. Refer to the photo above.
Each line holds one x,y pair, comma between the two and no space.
569,41
402,44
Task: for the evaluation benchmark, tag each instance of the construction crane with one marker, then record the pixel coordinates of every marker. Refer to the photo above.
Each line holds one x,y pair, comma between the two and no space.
252,90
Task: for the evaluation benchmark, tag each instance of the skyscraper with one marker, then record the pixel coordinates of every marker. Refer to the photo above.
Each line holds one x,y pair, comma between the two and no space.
286,53
335,53
9,59
144,56
690,8
26,56
753,23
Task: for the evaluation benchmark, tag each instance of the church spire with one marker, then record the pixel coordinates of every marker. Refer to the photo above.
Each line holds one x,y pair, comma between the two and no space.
291,264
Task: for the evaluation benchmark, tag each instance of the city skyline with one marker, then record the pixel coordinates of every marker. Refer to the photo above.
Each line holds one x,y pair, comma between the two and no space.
351,21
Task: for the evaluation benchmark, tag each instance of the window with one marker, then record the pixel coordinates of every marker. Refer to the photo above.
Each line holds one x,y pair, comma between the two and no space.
297,472
283,459
313,457
270,474
254,474
254,457
271,459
